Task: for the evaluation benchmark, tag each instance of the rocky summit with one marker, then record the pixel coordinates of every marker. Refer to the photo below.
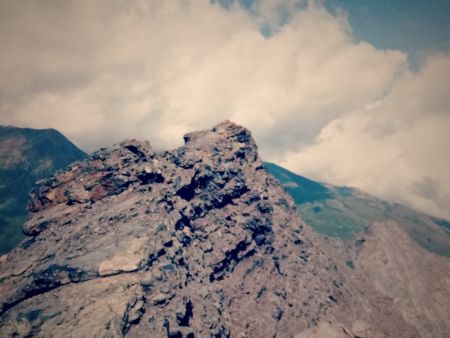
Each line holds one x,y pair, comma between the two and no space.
196,242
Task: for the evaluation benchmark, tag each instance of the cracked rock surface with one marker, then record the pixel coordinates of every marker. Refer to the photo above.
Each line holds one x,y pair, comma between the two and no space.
196,242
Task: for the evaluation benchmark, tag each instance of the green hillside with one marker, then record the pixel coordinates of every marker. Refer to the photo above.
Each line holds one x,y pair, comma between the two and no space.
342,211
27,155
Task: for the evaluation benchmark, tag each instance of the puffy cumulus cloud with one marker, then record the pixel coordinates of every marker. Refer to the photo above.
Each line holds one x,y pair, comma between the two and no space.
100,71
396,148
105,70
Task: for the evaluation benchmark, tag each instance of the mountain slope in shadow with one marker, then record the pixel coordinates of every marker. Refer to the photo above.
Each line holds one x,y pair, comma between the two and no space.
342,211
27,155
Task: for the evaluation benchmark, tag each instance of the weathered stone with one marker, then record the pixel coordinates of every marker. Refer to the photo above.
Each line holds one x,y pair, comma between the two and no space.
158,298
197,241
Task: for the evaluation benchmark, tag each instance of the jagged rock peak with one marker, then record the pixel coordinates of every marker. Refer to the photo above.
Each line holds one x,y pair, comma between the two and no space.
184,242
225,130
199,241
111,171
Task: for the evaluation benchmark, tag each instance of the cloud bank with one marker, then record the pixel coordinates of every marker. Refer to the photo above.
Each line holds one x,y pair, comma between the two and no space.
316,100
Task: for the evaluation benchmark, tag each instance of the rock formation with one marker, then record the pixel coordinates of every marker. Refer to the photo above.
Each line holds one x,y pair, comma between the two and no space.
196,242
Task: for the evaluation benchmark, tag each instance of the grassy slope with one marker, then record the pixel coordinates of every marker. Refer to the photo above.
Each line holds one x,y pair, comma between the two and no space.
27,155
342,211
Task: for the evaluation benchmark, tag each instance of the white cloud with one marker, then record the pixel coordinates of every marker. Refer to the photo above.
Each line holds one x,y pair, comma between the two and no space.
397,148
107,70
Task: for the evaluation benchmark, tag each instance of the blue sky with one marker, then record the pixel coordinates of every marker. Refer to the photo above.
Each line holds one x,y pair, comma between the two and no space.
413,26
416,27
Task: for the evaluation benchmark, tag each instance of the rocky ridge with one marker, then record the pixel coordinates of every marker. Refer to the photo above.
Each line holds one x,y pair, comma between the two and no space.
196,242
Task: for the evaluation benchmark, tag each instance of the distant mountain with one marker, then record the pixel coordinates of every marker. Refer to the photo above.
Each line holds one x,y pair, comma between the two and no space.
343,211
27,155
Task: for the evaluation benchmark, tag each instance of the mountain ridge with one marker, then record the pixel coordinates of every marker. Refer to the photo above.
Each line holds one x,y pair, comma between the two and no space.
27,155
203,241
184,243
343,211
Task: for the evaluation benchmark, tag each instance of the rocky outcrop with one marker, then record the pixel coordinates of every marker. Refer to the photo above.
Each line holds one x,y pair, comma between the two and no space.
196,242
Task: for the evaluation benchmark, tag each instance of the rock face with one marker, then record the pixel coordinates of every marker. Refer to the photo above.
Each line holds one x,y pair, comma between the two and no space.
196,242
